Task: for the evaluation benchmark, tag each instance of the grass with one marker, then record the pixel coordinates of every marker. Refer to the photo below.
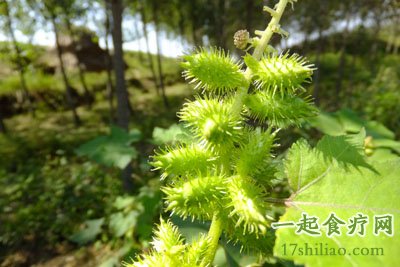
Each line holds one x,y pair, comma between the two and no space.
38,81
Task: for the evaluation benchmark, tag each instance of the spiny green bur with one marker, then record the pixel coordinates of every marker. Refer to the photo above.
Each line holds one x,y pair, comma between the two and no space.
224,175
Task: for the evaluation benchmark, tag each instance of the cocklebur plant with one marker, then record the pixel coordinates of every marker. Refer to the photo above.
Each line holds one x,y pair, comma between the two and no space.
224,175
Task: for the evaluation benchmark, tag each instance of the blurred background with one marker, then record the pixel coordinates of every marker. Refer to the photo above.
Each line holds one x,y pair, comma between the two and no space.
88,89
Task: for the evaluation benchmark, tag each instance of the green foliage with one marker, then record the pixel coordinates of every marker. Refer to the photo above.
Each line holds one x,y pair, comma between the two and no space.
122,218
50,201
321,186
92,229
38,82
347,122
175,133
111,150
383,94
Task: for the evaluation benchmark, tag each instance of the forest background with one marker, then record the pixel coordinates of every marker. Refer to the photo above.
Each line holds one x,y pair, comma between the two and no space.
89,88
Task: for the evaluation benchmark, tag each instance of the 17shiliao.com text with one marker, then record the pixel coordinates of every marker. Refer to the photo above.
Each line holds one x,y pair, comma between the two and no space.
323,249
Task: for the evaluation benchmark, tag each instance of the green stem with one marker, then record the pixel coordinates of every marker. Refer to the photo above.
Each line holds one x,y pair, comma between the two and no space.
272,27
213,234
269,31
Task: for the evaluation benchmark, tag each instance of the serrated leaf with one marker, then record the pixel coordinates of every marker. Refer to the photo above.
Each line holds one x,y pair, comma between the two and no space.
346,192
306,163
345,149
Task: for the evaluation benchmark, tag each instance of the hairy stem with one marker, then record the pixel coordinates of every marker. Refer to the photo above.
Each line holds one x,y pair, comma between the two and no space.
214,233
272,28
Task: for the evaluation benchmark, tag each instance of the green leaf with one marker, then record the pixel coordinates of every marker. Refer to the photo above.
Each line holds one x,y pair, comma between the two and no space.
121,223
89,233
328,124
319,191
305,164
150,199
345,149
347,121
112,150
174,134
214,71
122,202
378,130
350,121
387,143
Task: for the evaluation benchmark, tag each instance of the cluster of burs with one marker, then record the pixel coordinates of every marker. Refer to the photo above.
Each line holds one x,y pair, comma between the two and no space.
223,173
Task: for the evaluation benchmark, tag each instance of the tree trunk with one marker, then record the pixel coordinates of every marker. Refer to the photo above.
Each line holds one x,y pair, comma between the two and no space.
21,70
108,63
221,19
196,33
81,72
123,110
375,45
342,61
149,57
159,63
68,88
137,33
249,14
351,79
182,22
3,128
317,74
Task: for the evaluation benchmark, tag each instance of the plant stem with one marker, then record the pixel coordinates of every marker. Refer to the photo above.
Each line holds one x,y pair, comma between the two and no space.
272,27
214,233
